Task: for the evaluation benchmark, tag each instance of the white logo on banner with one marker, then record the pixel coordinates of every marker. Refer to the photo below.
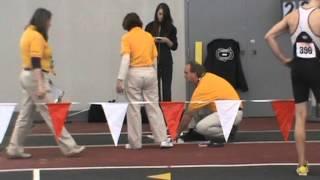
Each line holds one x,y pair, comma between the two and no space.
227,112
115,114
6,111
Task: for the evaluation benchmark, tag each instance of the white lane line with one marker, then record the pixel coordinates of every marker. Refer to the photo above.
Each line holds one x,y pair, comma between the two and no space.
273,142
147,133
36,174
84,134
275,131
186,143
159,167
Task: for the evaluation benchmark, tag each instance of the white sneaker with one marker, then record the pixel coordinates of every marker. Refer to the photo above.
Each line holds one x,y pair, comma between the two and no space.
21,155
128,146
180,141
166,144
76,152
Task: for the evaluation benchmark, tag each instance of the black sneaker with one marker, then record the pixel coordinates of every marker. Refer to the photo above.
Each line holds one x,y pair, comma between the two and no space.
215,144
192,135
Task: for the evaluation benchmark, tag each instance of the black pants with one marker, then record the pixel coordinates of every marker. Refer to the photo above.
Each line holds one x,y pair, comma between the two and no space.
165,78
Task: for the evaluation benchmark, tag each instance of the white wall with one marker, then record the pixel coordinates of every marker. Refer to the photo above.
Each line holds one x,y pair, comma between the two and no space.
85,37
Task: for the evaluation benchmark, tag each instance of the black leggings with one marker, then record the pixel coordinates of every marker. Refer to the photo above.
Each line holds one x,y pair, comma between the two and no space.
165,78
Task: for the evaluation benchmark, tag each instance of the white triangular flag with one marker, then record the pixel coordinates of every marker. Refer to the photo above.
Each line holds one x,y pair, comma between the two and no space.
115,113
227,111
6,111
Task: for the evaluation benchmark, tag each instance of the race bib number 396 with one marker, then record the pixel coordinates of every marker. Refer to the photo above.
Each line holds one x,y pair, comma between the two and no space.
306,50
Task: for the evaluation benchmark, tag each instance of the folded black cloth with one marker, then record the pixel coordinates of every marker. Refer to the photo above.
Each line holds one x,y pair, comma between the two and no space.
192,135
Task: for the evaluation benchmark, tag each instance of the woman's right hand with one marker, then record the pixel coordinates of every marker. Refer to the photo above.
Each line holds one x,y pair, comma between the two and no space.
120,86
162,40
41,91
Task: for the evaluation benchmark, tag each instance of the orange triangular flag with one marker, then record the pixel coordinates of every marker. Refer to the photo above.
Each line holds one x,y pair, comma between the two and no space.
172,112
58,113
285,111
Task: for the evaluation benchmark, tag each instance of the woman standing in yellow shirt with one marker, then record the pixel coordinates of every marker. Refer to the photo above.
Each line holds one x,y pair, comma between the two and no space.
34,78
139,55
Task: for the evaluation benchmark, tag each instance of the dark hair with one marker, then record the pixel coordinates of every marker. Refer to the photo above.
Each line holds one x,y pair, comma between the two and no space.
40,19
131,20
167,19
197,68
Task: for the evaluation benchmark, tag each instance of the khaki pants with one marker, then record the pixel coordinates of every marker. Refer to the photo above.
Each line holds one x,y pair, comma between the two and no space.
142,85
30,103
210,126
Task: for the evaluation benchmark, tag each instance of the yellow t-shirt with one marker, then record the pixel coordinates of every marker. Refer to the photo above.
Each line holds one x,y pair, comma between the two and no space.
212,87
141,47
33,44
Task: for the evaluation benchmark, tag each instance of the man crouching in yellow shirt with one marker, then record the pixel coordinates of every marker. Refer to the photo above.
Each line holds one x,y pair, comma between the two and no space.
209,87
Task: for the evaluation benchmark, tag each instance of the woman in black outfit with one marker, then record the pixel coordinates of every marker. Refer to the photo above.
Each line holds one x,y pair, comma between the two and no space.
165,34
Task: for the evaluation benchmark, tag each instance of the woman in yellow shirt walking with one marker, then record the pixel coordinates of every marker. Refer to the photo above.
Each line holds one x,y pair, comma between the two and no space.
34,79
